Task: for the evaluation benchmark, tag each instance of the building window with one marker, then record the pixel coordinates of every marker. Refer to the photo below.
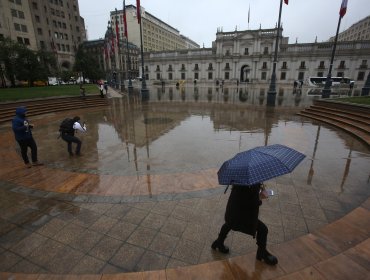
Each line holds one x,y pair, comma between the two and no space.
182,76
227,52
246,51
361,76
263,76
264,65
342,64
363,64
24,28
169,67
210,76
37,18
42,45
340,74
284,65
301,76
14,13
320,74
158,68
39,31
227,75
210,67
183,67
266,50
282,75
227,66
34,5
196,76
170,76
322,65
158,76
196,67
20,40
303,65
17,27
21,14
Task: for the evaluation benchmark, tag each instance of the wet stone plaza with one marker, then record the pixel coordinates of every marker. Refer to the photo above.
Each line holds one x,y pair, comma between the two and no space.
144,195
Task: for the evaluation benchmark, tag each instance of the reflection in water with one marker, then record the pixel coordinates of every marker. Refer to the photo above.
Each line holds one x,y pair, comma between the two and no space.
311,171
192,129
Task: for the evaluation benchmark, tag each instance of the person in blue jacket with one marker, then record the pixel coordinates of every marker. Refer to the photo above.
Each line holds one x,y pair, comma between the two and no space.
23,135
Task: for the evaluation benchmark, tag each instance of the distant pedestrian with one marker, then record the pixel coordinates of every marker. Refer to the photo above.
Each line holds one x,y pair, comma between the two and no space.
300,84
295,84
106,88
101,88
23,135
351,85
82,91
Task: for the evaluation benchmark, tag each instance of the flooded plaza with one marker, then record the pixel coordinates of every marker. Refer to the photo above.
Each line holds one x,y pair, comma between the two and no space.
144,195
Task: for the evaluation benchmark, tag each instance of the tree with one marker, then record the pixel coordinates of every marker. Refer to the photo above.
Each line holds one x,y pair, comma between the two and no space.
48,63
87,64
8,54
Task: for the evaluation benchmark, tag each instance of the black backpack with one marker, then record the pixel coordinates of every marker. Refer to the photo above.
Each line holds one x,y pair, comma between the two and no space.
66,126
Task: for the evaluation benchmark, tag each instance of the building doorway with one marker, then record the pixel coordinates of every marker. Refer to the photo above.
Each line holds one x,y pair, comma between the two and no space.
244,74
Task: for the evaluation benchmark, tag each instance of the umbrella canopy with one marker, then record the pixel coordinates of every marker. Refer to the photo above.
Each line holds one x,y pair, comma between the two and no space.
259,164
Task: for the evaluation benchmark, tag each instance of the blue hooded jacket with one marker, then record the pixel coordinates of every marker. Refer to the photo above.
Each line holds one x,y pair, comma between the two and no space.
21,131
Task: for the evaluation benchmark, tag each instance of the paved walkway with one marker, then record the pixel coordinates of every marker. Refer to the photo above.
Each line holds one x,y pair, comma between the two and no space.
57,221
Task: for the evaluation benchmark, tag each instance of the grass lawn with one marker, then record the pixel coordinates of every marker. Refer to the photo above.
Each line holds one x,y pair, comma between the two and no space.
364,100
12,94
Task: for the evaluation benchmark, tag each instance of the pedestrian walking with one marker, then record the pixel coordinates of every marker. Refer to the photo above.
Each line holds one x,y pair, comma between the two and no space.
23,135
101,88
242,215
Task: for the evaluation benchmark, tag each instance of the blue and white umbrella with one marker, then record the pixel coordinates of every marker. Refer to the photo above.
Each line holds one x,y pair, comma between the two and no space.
258,165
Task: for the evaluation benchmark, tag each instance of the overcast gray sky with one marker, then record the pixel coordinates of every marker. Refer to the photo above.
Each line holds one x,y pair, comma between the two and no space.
199,19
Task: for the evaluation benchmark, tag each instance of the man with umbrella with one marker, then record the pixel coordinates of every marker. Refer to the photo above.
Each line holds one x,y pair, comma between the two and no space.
242,215
246,172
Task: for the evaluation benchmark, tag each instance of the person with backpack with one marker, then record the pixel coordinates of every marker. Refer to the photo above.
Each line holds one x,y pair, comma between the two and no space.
67,131
23,135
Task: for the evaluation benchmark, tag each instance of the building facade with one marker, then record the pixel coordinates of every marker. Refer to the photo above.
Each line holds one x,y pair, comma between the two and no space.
157,35
358,31
50,25
247,56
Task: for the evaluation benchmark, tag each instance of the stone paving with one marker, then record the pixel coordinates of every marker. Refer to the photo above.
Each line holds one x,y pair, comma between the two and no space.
46,231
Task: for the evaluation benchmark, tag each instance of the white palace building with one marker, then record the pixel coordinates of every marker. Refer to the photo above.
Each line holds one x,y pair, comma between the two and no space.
247,56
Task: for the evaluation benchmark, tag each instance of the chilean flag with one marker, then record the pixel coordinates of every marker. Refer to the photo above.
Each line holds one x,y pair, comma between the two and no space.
343,8
286,1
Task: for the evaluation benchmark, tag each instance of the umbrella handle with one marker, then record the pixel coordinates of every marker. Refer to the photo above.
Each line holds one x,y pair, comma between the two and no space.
226,188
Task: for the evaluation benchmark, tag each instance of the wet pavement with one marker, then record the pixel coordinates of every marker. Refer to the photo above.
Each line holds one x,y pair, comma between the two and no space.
145,196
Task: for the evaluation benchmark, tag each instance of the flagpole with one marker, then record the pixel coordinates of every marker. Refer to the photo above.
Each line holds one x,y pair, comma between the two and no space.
325,93
144,89
121,80
272,88
128,67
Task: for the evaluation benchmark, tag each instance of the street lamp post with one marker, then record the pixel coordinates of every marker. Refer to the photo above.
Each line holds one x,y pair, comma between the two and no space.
144,89
325,93
272,88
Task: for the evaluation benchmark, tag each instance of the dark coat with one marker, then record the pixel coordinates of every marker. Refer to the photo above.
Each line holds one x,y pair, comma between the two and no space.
21,131
242,208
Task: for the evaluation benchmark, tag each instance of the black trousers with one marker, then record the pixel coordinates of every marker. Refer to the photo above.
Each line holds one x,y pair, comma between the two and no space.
72,139
24,144
261,235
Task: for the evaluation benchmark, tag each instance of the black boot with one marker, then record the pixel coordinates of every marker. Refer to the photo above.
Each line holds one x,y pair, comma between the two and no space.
220,246
264,255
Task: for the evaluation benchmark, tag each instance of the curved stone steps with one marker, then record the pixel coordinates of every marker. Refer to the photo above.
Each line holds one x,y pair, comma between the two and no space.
353,118
38,107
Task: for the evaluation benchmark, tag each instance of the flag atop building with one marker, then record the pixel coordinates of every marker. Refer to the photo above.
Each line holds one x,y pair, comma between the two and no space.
117,29
343,8
138,11
286,1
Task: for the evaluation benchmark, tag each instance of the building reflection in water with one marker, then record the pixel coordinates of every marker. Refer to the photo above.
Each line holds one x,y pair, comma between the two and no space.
195,128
